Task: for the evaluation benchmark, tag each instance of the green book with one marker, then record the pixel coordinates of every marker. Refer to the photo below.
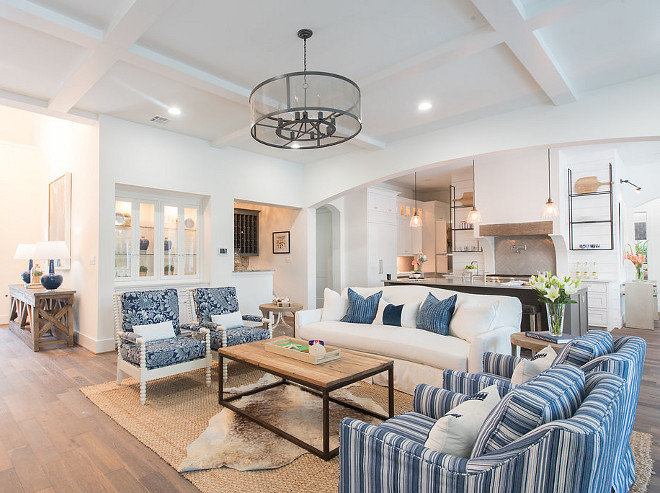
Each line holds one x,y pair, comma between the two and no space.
303,348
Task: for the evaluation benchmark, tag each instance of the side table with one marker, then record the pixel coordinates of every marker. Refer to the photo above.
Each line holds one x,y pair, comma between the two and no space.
267,308
519,339
41,317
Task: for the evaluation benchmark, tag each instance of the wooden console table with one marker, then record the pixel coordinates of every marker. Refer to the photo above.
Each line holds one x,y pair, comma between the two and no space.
39,316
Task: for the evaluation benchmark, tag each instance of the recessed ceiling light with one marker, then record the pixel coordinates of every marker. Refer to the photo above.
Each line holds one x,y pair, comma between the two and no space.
424,106
174,111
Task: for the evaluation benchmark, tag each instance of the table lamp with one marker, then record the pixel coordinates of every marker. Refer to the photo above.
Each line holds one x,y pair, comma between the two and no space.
25,251
51,251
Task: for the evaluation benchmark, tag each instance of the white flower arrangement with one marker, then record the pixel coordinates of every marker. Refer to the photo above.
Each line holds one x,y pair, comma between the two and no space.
552,289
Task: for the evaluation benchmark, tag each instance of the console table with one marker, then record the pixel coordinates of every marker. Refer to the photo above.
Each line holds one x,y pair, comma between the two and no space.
41,317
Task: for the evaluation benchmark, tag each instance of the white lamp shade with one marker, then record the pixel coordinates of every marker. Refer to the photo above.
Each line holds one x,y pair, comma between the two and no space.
24,251
51,250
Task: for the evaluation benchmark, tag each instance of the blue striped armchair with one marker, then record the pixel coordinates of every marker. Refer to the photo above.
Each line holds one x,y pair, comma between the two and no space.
575,453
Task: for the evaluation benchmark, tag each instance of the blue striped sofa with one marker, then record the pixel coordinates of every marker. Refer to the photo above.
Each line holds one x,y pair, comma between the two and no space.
575,453
623,357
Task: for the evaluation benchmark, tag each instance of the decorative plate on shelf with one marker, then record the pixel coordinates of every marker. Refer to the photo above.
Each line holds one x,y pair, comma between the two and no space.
189,223
120,219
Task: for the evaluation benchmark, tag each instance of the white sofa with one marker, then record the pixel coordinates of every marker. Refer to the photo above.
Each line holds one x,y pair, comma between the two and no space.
480,323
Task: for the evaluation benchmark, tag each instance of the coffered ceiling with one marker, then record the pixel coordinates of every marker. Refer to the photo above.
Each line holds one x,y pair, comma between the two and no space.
134,59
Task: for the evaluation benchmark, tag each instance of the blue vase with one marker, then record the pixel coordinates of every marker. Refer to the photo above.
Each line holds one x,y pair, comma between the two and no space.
144,244
26,277
51,280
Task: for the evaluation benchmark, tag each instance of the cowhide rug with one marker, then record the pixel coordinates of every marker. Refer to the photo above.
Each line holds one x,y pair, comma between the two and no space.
236,442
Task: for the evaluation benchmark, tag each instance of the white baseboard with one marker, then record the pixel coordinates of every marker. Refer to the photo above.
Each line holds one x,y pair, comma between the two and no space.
93,345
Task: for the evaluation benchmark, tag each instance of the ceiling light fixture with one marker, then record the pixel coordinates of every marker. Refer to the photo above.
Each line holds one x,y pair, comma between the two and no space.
637,188
174,111
550,209
311,109
474,216
416,219
424,106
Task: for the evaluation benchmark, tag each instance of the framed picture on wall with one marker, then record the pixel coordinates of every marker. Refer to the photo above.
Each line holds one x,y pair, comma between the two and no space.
59,214
281,241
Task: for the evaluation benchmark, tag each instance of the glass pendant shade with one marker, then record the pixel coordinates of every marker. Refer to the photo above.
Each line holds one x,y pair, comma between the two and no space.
550,210
416,221
474,216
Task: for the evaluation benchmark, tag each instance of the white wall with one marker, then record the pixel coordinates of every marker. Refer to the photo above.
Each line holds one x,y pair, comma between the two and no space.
143,156
652,210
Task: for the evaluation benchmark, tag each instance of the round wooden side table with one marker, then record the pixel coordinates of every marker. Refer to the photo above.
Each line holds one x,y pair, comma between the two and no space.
268,308
519,339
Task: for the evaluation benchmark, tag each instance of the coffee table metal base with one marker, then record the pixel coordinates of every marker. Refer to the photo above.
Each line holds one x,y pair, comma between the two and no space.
324,393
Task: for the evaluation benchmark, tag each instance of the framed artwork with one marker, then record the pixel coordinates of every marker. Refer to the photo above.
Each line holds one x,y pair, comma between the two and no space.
281,242
59,214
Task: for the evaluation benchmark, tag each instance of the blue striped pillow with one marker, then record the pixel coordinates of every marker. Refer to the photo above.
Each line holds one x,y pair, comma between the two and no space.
554,394
583,349
361,310
435,314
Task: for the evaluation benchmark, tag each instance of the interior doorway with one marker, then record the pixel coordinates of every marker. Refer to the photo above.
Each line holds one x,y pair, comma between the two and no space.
328,271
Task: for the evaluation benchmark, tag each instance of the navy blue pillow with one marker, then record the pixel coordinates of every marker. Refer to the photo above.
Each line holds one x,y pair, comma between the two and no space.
392,315
361,310
435,315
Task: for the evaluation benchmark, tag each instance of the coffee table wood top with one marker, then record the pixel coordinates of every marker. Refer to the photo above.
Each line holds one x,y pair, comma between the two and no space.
328,375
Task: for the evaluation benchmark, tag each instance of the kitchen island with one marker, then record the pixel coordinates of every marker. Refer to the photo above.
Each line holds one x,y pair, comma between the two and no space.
575,321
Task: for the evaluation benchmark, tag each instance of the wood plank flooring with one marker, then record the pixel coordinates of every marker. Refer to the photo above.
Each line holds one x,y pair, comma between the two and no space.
52,439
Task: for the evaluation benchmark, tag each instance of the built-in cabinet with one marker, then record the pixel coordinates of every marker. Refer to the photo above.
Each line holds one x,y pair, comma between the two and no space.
156,238
382,238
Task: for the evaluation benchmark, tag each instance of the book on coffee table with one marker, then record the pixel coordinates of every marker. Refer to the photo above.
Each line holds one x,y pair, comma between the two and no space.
547,336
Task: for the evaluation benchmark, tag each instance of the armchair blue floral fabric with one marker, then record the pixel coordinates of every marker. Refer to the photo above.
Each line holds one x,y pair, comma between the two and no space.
165,352
150,307
576,454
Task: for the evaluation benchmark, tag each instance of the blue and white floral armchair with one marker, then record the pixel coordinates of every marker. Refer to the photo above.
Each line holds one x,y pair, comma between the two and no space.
206,302
149,360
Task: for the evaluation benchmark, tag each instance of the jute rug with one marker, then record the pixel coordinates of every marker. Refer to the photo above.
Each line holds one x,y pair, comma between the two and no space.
179,408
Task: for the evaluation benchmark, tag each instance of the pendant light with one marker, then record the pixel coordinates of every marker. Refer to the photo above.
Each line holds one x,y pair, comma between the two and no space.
416,219
550,209
474,216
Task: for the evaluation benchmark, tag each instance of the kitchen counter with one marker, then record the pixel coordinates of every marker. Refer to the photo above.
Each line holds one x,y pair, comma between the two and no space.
575,319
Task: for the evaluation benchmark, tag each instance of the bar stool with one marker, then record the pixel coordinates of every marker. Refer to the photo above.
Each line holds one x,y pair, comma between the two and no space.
534,313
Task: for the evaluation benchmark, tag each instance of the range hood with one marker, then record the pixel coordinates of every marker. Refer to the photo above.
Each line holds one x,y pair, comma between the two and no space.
517,229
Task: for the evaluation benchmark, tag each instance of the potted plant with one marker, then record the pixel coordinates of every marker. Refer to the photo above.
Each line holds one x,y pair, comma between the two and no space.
417,265
143,270
36,274
556,294
169,270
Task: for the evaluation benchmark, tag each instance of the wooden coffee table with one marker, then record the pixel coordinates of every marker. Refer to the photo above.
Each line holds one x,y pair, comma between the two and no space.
317,379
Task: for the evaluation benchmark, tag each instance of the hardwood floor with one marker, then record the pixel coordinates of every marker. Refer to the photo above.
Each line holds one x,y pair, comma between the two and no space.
52,439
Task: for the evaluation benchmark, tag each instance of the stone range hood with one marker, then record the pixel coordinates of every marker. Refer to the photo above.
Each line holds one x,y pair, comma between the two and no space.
521,249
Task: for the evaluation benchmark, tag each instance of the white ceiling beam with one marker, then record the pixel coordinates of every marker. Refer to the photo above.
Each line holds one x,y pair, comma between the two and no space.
562,12
454,49
131,22
40,106
507,20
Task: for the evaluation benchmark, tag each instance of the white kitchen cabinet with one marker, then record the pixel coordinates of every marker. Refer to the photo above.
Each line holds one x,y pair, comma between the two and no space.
381,235
409,240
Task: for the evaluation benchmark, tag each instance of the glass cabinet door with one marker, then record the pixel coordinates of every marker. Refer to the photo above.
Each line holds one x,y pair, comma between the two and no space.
123,239
170,240
147,239
189,254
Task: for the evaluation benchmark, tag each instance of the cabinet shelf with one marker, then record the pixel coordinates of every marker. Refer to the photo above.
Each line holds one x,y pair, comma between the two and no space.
462,229
600,221
589,194
572,223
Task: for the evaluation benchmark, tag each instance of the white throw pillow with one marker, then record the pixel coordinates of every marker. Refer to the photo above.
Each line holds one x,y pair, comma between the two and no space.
529,368
409,314
456,432
378,319
334,305
231,320
472,319
155,332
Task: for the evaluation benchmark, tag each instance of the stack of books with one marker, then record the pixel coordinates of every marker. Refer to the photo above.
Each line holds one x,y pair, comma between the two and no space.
547,336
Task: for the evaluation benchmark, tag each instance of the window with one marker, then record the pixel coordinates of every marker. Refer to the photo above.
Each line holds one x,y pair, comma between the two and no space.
246,232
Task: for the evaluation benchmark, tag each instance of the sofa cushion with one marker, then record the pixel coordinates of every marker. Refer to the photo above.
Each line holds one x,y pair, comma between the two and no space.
580,351
408,313
361,310
334,305
435,315
455,432
554,394
392,315
411,425
472,319
419,346
529,368
150,307
165,352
